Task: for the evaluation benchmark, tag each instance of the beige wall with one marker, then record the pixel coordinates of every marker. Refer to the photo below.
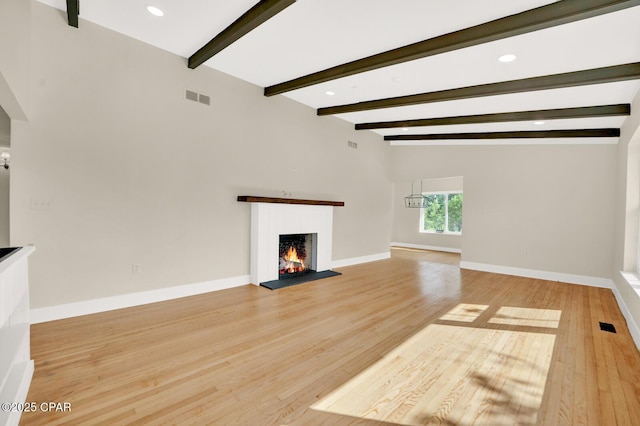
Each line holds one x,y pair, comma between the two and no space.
539,207
406,221
4,208
136,174
5,136
5,129
15,25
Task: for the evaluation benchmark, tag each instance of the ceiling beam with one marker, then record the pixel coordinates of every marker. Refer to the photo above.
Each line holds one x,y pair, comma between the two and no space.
501,117
541,134
557,13
554,81
73,10
254,17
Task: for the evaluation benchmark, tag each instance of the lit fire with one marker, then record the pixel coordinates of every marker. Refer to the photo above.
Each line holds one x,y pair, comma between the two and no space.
293,262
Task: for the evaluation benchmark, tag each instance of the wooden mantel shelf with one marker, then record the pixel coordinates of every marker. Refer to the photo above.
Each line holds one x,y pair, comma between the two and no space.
253,199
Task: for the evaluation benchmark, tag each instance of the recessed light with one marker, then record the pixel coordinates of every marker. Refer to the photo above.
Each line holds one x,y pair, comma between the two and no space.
538,122
405,129
330,93
507,58
155,11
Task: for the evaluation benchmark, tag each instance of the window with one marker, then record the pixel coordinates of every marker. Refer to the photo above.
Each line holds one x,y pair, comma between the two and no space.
442,212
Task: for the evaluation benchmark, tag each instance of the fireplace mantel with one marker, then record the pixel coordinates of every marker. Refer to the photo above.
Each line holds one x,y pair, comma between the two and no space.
255,199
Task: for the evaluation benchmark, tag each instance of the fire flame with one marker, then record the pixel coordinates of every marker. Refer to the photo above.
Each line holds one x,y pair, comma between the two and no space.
294,263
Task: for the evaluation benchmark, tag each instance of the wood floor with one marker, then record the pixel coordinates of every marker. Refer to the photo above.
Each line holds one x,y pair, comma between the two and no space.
409,340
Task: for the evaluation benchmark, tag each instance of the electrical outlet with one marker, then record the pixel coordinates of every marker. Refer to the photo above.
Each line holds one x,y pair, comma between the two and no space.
41,204
135,268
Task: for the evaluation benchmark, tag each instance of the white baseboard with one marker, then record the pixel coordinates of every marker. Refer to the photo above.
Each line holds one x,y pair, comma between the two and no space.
632,325
542,275
362,259
69,310
87,307
425,247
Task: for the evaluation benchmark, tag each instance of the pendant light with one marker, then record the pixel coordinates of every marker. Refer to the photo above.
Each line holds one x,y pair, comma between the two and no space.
415,201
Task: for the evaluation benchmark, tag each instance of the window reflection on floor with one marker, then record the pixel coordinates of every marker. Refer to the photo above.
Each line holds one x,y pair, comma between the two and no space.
457,374
549,318
464,312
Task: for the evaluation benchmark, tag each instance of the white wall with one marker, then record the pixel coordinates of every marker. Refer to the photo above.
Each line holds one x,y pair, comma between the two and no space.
538,207
406,221
627,218
136,174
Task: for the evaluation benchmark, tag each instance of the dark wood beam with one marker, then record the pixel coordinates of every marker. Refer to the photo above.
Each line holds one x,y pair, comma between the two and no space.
258,199
501,117
543,134
73,10
557,13
254,17
554,81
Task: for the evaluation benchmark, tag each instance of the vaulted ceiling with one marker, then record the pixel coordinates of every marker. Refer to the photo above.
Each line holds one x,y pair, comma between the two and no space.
414,71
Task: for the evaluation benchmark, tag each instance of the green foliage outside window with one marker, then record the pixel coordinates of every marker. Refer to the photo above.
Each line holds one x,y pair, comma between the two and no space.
434,212
455,213
442,212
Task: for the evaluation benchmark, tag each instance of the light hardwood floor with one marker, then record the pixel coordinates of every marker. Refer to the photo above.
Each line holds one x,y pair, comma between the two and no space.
409,340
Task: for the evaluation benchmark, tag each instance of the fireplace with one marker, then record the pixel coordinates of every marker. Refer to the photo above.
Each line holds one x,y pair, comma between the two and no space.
296,255
274,220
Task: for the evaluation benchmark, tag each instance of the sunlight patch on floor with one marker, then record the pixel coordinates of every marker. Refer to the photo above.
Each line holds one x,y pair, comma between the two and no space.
451,375
549,318
464,312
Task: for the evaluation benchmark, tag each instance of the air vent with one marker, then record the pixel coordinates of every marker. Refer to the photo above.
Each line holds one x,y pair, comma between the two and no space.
192,96
197,97
352,144
605,326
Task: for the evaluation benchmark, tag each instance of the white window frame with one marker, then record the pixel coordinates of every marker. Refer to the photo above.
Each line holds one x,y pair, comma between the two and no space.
446,214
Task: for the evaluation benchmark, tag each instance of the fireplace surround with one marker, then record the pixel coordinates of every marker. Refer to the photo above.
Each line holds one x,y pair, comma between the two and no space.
273,217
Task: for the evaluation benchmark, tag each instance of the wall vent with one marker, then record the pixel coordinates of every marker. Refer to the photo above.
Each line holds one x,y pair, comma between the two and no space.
192,96
197,97
352,144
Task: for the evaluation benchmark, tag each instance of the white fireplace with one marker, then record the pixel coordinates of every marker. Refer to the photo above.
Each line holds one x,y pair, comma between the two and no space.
269,220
